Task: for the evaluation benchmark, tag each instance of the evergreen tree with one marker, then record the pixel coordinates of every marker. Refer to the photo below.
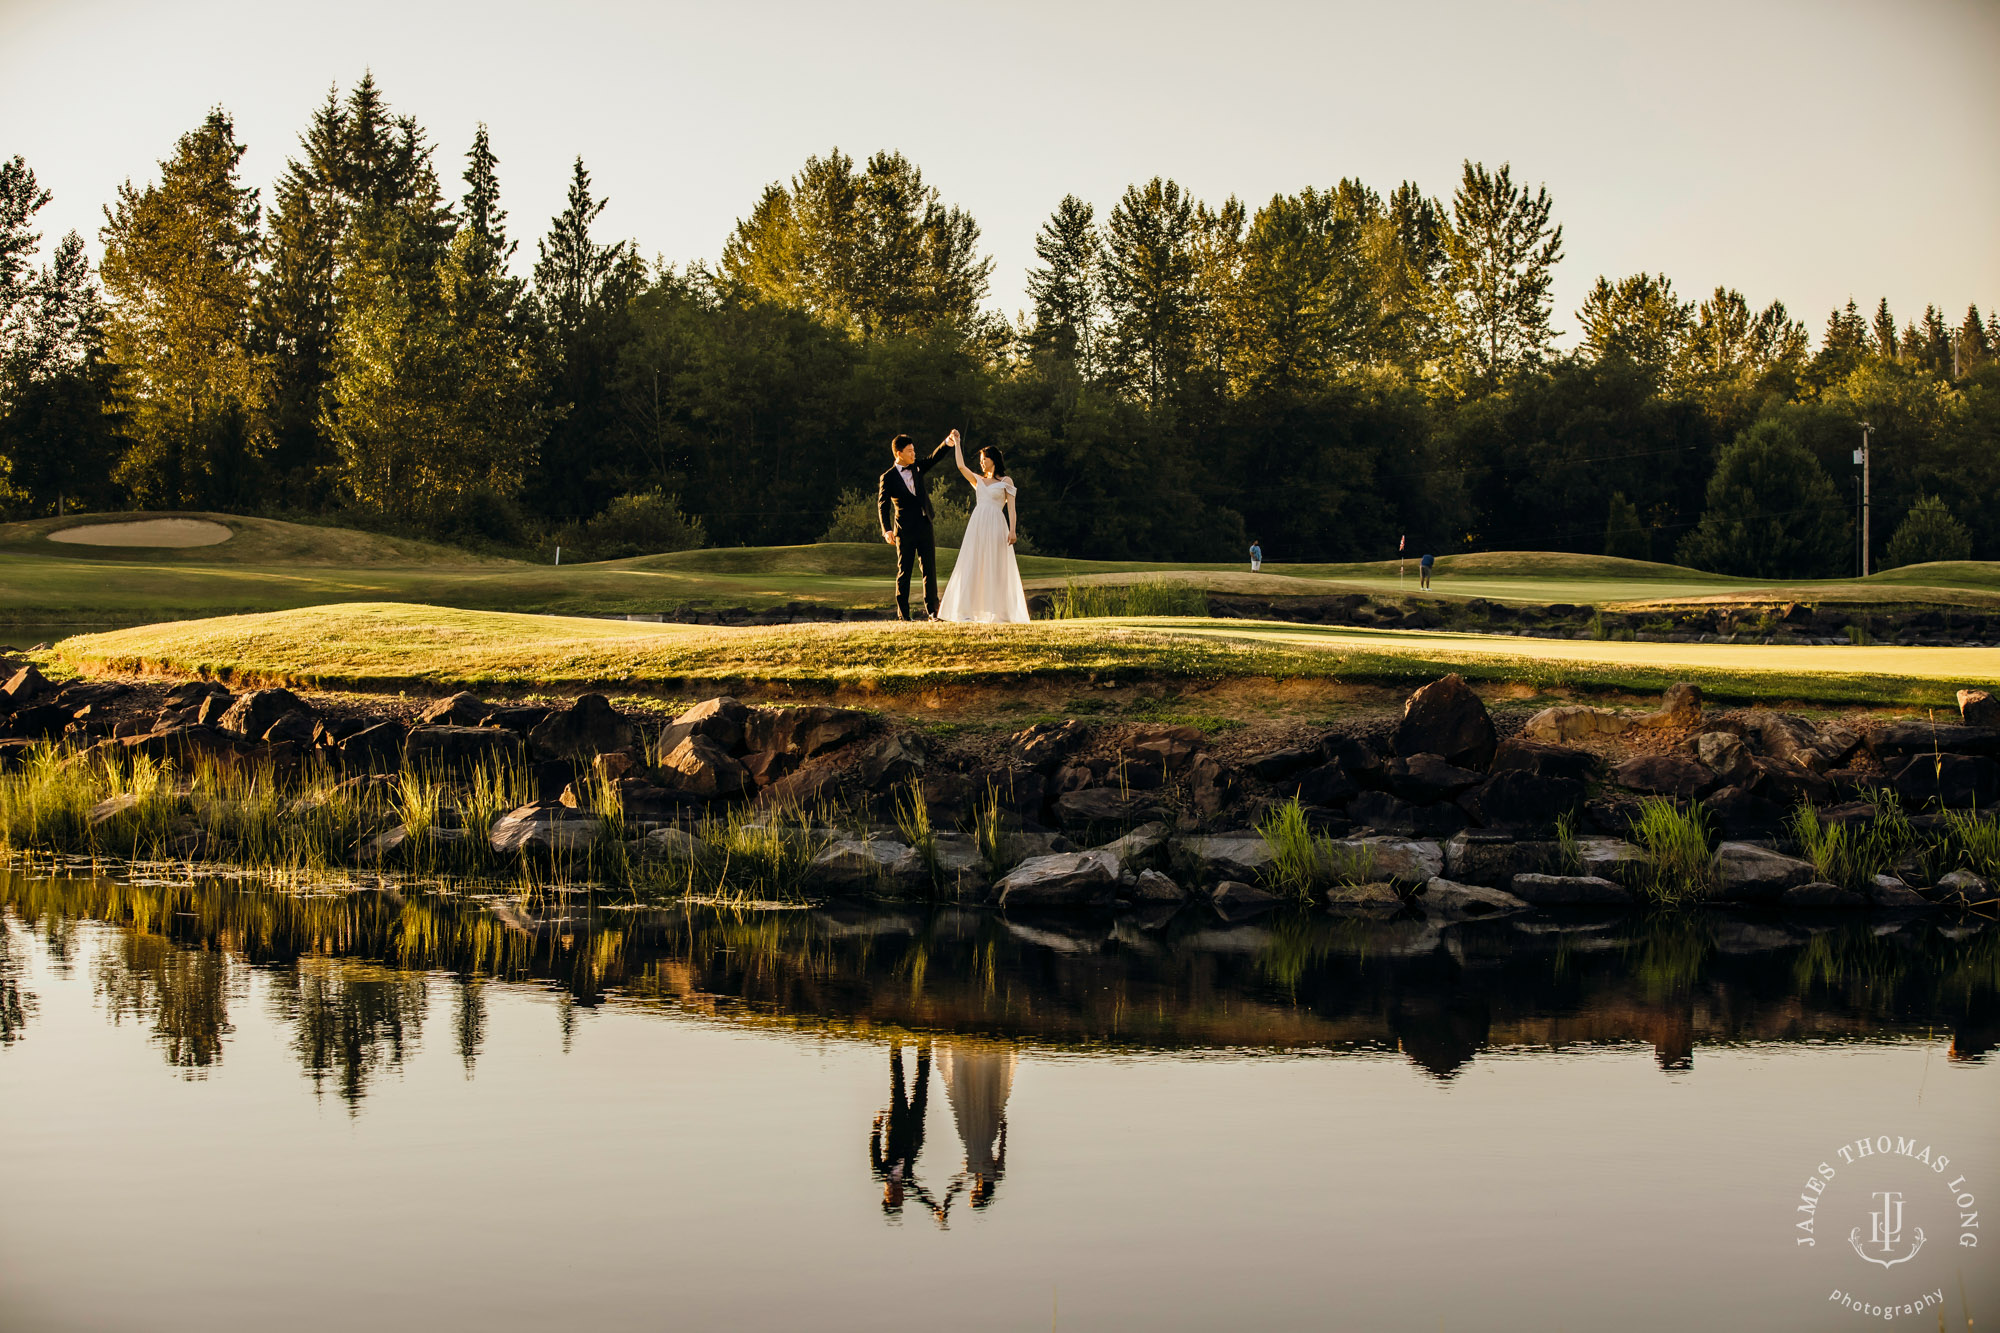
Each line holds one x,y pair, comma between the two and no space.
1928,532
1772,512
179,265
1971,342
1639,319
1625,533
1303,307
1405,250
1151,293
1064,288
1500,253
1884,330
20,199
1842,349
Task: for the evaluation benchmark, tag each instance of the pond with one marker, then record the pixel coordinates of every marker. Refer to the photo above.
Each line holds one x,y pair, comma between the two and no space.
224,1106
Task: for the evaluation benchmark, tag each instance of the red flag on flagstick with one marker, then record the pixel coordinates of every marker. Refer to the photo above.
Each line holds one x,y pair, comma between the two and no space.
1400,540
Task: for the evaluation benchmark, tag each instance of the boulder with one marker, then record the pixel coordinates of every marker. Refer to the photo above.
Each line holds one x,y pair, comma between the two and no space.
764,767
1455,901
111,807
1544,761
541,828
1962,887
702,768
891,758
1952,781
1426,778
1785,784
1745,872
1151,886
1210,785
376,749
803,732
1065,879
960,867
375,850
180,744
1570,891
1892,894
1613,859
1819,893
1978,708
1213,859
853,865
1104,805
1277,765
1355,756
1383,812
1143,847
1722,753
1523,801
1494,859
1018,847
1403,860
293,728
1738,813
1680,707
1894,742
1235,900
520,719
1673,775
1327,785
254,713
719,720
36,722
1574,722
463,709
14,753
1173,747
587,728
1375,898
672,844
81,694
1794,740
209,710
457,749
1446,718
24,687
1046,744
192,692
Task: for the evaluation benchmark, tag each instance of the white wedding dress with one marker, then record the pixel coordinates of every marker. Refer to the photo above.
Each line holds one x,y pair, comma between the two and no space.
986,582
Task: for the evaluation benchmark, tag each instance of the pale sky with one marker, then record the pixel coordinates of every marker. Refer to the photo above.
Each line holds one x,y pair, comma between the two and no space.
1803,150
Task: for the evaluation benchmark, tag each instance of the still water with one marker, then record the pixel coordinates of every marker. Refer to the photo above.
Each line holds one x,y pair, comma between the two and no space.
227,1108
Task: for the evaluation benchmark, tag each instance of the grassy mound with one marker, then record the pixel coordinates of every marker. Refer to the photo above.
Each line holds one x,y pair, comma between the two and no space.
394,646
253,541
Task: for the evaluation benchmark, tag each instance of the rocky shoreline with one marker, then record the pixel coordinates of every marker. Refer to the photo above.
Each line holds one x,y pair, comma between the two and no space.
1436,810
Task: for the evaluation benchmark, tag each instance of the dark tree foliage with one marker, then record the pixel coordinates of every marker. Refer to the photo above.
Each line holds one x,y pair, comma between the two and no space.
1771,513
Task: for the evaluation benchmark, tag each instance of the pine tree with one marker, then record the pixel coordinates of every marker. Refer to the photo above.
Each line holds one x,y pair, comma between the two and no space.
571,269
1303,307
1625,533
1928,532
1500,255
1884,329
1639,320
1974,347
20,199
1842,349
179,265
1772,511
1065,287
1151,298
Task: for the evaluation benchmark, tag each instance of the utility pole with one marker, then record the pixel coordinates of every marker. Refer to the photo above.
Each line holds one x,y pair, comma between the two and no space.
1861,458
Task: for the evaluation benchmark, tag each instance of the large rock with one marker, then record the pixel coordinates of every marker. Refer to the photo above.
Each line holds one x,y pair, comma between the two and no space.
1740,813
292,729
1819,893
1235,900
1785,784
702,768
1895,741
1173,747
1963,888
1575,722
1794,740
1277,765
1327,785
1680,708
1375,898
720,720
1211,860
1494,859
960,867
458,749
672,844
1747,873
587,728
463,709
1543,760
803,732
376,749
1724,754
543,828
1144,847
1105,805
111,807
1522,801
1404,860
36,722
180,744
1210,785
1978,708
1455,901
254,713
1427,778
23,688
1893,895
1046,744
1151,886
1446,718
1382,811
852,865
1952,781
1613,859
1673,775
1570,891
890,758
1065,879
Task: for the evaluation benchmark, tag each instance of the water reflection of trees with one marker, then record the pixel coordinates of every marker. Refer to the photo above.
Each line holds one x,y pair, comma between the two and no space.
350,975
17,1005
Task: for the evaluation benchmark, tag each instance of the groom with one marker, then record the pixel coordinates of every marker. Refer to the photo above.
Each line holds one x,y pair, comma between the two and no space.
905,511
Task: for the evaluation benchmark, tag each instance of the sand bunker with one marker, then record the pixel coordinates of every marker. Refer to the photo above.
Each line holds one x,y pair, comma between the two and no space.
146,532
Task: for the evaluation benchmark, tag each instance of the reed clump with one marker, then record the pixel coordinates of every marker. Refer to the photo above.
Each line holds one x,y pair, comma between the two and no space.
1148,597
1304,863
1679,849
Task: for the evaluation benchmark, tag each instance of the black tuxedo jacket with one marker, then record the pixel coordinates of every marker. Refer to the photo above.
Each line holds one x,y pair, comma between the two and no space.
900,508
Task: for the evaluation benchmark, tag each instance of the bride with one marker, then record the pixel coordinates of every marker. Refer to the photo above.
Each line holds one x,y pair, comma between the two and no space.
986,582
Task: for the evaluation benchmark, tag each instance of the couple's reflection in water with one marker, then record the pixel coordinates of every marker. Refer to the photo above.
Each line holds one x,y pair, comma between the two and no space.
978,1079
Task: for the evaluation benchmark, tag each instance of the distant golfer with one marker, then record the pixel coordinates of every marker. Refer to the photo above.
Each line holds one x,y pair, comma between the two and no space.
1256,557
1424,564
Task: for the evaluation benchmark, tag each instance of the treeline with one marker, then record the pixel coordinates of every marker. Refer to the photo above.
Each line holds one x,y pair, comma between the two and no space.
1327,372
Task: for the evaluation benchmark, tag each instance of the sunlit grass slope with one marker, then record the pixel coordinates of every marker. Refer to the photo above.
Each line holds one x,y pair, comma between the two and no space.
387,645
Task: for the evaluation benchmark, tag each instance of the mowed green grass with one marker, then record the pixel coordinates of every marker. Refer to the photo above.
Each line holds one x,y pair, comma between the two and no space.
269,565
399,646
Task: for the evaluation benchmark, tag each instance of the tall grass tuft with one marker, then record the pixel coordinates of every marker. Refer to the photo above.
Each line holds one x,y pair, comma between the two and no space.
913,821
1148,597
1973,840
989,831
1304,862
1677,843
